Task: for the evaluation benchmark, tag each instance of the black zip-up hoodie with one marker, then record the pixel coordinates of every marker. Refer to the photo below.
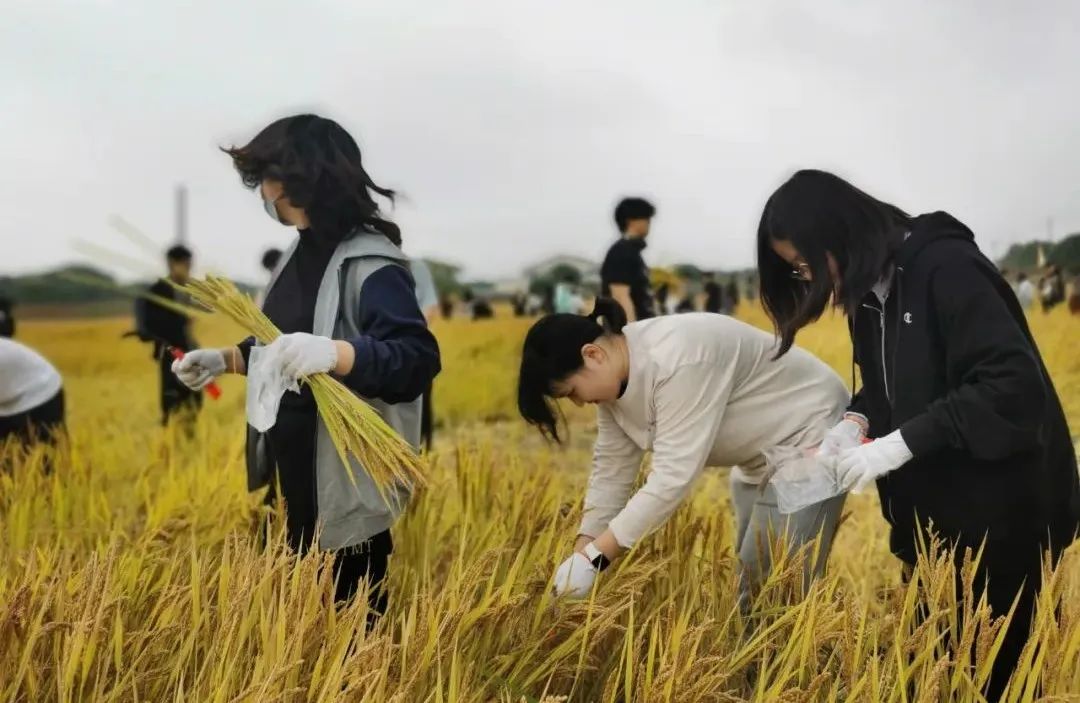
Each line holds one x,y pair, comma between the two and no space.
950,361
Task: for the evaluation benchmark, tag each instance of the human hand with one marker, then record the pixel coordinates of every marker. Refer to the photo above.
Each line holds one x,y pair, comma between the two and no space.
858,467
581,541
847,434
301,354
575,577
198,368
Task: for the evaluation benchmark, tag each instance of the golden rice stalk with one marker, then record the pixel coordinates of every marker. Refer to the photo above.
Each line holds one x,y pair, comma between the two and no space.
177,307
354,426
115,258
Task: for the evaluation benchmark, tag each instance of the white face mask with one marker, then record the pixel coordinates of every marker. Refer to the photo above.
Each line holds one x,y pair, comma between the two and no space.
271,209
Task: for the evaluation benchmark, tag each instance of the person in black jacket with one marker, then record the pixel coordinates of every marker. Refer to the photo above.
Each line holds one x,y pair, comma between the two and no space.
7,318
731,296
969,434
624,276
714,301
166,329
1052,289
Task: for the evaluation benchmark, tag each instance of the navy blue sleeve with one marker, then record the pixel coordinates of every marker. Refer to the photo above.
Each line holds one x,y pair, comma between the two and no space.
245,349
396,355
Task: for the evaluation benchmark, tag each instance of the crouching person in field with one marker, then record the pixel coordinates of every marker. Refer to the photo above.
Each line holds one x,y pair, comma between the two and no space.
695,389
345,303
31,396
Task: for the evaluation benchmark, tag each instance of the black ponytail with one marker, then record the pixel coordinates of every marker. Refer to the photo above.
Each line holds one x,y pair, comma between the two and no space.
609,315
552,352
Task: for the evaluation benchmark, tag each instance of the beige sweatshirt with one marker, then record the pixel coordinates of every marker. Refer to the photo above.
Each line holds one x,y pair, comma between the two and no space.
703,391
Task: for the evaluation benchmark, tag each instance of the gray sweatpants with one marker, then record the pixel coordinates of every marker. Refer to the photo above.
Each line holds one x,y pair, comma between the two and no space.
758,521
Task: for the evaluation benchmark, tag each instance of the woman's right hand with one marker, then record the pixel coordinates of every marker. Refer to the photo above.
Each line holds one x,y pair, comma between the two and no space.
199,367
575,577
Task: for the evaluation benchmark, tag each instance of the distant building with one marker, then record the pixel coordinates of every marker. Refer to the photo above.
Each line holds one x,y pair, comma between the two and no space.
509,287
589,270
506,288
479,289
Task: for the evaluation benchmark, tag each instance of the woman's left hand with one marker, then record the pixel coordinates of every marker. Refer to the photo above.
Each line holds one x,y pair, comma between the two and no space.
859,467
575,577
301,354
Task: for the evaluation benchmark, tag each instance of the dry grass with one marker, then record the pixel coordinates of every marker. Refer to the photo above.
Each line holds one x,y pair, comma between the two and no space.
134,572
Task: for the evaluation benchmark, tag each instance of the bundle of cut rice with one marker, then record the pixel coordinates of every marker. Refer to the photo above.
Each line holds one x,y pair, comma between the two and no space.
356,429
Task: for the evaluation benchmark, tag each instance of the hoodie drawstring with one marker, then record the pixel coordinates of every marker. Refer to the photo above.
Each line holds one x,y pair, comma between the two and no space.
852,333
896,331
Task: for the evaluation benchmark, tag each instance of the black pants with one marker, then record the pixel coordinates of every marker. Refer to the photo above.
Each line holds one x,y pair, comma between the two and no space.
175,396
1008,569
45,423
427,419
40,424
292,441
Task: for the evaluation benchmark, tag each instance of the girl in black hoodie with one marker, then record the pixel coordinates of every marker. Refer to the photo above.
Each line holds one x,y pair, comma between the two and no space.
969,433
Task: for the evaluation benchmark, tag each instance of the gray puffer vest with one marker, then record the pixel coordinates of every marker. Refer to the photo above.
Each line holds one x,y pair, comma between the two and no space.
349,513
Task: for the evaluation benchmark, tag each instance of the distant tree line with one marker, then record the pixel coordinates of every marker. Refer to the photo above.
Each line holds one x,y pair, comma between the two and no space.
70,284
73,284
1065,254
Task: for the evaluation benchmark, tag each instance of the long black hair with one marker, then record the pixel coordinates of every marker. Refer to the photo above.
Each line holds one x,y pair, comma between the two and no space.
821,213
552,352
318,164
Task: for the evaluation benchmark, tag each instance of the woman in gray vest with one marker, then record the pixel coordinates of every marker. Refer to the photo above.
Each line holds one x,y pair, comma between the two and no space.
344,300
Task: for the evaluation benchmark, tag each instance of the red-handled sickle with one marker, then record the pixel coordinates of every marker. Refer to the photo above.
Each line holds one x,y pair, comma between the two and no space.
212,388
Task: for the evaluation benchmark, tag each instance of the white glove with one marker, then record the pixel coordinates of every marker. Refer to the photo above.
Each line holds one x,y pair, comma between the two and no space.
199,367
861,466
848,434
301,354
574,578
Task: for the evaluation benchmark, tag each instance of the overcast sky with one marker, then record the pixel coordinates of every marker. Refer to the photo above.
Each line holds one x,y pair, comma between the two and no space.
513,128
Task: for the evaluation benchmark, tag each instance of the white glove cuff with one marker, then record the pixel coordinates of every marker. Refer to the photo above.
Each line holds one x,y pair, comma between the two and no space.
596,558
860,420
897,447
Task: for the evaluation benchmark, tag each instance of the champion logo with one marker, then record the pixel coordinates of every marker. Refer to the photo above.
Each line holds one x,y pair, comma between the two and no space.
907,318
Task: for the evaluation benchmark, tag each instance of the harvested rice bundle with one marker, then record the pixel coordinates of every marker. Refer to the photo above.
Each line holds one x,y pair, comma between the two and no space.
354,426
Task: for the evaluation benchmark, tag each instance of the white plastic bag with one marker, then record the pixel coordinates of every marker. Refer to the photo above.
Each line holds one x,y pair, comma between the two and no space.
265,386
799,478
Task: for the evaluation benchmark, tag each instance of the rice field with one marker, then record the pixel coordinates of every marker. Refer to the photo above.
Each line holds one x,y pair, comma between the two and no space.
135,570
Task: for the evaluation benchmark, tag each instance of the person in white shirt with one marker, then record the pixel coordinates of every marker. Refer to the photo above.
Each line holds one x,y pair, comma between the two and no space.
697,390
427,295
31,395
1025,291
